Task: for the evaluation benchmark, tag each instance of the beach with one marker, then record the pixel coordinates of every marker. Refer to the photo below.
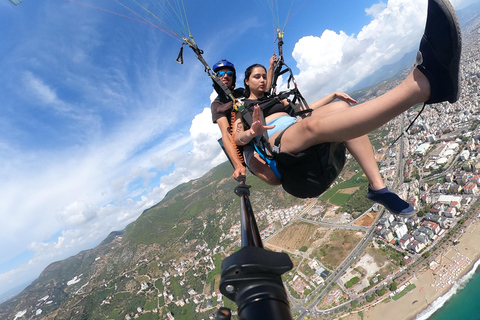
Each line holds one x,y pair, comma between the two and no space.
431,283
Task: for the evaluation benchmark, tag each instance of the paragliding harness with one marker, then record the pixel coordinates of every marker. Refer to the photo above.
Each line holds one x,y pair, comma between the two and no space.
308,173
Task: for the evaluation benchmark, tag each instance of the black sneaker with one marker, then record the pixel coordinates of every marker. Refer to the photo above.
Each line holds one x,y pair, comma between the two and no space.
391,201
439,55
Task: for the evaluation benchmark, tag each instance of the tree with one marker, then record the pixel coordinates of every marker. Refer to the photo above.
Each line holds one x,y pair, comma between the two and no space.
350,283
393,286
380,292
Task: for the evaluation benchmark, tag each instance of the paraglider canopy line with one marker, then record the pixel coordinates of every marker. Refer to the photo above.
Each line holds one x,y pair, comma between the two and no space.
275,8
175,18
143,20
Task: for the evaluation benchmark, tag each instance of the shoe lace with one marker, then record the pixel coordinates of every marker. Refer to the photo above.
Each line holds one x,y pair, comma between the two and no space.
409,126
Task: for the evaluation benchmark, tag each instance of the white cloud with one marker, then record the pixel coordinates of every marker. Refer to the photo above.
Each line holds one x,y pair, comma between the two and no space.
40,89
376,9
337,61
204,154
320,54
205,135
77,213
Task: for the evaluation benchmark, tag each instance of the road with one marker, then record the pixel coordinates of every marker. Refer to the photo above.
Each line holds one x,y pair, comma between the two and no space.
335,276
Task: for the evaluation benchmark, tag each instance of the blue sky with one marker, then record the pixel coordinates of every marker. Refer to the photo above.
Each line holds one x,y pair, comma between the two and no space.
98,121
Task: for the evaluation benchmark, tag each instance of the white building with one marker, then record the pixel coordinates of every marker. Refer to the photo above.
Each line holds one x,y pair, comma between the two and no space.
400,230
464,155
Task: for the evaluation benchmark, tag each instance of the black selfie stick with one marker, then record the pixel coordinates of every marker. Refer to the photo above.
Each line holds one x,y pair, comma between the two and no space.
252,276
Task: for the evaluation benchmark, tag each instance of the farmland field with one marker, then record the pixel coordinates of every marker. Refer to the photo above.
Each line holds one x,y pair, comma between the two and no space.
297,235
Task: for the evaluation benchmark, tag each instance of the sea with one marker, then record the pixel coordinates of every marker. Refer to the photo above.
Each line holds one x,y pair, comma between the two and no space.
462,301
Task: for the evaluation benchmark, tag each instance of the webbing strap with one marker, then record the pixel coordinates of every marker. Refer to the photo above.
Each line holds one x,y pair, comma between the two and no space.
271,162
247,117
276,143
180,55
208,70
222,86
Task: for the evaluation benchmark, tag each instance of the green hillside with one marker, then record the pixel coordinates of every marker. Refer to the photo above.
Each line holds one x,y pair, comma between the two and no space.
189,216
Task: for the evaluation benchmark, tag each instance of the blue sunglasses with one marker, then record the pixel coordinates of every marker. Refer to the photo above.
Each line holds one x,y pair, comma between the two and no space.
223,73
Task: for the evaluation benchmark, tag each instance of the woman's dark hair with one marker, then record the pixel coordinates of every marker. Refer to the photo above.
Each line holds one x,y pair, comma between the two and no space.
248,73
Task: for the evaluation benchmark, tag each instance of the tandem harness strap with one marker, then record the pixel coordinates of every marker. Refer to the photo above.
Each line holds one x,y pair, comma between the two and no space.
261,144
199,54
291,109
219,86
275,150
306,174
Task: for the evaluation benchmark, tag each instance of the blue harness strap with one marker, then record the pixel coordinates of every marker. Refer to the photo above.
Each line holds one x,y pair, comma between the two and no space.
282,122
271,162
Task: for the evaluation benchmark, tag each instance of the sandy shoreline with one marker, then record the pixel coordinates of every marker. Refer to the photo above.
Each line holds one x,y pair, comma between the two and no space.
431,283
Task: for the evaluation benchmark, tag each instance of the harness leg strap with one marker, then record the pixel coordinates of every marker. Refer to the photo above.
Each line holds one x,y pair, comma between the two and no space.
276,143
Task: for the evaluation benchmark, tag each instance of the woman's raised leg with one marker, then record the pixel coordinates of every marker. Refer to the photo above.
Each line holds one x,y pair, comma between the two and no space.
358,120
435,79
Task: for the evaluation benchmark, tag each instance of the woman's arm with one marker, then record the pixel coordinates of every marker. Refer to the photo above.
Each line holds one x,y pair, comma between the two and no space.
242,136
271,69
332,96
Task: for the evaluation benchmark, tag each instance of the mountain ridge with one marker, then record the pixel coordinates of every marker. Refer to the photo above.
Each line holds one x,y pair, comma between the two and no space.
173,225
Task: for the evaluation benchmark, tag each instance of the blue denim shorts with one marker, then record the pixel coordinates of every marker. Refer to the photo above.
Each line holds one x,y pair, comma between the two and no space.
280,123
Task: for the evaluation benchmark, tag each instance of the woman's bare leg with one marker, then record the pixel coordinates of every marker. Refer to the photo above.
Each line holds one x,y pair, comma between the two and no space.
358,120
261,169
361,149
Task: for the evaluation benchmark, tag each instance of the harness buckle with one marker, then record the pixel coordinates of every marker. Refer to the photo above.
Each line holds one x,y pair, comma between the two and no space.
276,149
238,105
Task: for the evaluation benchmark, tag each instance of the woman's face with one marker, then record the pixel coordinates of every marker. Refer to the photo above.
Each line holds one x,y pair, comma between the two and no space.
257,81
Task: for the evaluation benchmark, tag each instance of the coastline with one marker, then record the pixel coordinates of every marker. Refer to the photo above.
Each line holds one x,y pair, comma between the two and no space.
435,285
